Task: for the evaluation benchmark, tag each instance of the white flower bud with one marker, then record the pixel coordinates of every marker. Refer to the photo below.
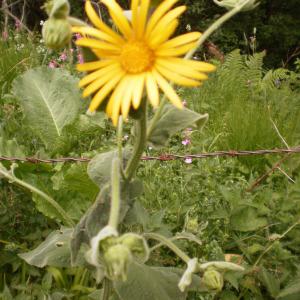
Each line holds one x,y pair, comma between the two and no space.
230,4
187,276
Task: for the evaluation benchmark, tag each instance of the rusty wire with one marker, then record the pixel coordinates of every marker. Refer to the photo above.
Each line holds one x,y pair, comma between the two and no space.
163,157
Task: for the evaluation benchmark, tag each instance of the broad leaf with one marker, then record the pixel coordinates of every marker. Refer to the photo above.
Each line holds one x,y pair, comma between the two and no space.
173,120
50,100
10,148
150,283
54,251
247,219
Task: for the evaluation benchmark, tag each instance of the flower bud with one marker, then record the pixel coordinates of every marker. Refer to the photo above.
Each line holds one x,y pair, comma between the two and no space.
213,279
137,246
192,225
230,4
57,33
117,259
59,9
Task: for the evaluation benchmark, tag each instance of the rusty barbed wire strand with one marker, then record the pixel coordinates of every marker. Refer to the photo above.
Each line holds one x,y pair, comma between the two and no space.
163,157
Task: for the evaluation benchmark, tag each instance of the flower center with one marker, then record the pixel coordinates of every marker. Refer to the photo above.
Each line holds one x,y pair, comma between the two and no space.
136,57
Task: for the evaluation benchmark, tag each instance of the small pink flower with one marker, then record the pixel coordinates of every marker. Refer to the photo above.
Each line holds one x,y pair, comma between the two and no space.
184,102
4,35
18,25
126,137
78,36
188,160
186,142
80,58
71,50
52,64
63,57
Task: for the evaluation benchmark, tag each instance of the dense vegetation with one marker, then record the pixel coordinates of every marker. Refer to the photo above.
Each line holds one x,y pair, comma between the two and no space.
252,104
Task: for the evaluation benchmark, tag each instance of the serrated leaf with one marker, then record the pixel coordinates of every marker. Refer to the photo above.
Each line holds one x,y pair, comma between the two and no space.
270,282
10,148
54,251
50,100
173,120
247,219
150,283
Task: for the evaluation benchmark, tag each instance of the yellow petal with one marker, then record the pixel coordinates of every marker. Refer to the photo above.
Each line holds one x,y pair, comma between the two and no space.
90,66
95,33
93,16
101,95
176,78
118,17
134,10
158,13
165,35
197,65
126,101
168,18
181,40
138,91
97,84
92,76
95,44
167,89
142,17
175,51
152,90
181,69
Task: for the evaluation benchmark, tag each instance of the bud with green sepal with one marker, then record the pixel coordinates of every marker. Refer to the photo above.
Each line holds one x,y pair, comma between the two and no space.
117,258
59,9
57,33
230,4
213,279
137,246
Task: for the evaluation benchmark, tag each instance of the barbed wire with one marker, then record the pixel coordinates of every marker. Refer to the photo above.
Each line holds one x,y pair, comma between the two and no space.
162,157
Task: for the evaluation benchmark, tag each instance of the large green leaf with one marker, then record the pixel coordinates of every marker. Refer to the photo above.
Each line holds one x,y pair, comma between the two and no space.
54,251
173,120
150,283
50,100
10,148
291,291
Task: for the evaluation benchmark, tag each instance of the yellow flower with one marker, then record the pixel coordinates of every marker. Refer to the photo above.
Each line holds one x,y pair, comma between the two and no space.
140,57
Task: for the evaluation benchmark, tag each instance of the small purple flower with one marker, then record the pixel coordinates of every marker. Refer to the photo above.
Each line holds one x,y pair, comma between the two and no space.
186,142
63,56
80,58
188,160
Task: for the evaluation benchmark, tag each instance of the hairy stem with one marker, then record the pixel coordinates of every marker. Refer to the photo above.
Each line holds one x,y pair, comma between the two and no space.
169,244
115,196
140,143
106,289
68,221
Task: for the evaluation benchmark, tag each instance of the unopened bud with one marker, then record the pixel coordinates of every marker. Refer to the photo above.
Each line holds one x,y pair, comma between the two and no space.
57,33
117,259
213,279
187,277
59,9
137,246
230,4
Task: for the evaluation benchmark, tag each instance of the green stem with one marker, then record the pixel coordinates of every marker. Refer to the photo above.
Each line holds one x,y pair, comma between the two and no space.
272,244
189,55
168,243
119,141
140,143
33,189
106,289
215,26
115,196
76,22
